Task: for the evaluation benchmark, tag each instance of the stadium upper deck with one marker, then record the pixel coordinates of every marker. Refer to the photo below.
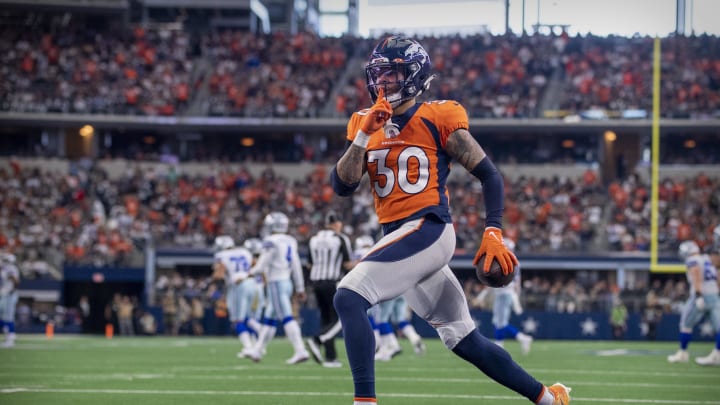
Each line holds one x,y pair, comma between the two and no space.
50,64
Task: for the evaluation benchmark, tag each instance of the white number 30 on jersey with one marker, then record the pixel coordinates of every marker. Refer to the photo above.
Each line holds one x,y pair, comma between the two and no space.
379,157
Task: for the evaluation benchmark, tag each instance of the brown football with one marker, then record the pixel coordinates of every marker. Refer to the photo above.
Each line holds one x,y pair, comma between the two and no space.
495,277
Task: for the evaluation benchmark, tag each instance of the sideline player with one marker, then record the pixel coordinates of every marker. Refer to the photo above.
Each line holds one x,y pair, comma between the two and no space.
232,264
406,148
280,264
254,245
395,311
703,300
9,280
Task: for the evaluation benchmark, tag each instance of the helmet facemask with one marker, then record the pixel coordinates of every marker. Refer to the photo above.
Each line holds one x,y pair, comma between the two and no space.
402,66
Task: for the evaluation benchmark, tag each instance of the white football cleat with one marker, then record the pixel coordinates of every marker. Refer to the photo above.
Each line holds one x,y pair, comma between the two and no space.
712,359
525,342
253,354
244,353
332,364
680,357
419,347
387,353
298,358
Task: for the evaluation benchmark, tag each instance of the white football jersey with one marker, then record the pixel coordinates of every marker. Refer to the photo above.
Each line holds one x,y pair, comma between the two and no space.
7,272
237,262
280,260
709,273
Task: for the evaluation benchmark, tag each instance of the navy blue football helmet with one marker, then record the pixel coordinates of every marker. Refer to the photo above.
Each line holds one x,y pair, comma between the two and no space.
410,63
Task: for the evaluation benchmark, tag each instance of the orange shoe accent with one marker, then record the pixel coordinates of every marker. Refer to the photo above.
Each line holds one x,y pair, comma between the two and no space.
561,394
368,400
49,330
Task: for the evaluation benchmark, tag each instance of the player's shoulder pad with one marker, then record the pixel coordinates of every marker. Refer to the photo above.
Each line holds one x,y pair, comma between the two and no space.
450,112
445,105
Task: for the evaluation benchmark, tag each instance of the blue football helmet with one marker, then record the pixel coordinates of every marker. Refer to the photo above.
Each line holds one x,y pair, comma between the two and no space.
407,60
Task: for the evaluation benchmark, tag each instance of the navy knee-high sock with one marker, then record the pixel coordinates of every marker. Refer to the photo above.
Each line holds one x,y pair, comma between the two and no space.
352,309
497,364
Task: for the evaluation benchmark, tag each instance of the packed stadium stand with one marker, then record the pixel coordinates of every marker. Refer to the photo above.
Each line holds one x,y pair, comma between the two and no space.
198,131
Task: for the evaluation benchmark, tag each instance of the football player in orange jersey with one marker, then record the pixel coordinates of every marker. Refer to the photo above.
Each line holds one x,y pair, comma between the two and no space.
406,148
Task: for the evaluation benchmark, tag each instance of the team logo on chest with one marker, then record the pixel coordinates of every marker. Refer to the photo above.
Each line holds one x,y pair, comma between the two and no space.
391,129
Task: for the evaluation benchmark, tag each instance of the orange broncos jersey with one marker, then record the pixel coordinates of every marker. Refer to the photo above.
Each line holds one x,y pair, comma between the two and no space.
407,162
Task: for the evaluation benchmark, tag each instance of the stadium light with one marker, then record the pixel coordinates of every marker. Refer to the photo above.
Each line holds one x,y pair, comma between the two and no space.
247,142
610,136
86,131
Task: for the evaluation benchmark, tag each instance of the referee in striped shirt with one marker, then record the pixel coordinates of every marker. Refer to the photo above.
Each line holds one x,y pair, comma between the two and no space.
331,258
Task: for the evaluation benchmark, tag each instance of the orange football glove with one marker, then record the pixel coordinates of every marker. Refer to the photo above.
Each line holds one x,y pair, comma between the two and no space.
493,246
379,113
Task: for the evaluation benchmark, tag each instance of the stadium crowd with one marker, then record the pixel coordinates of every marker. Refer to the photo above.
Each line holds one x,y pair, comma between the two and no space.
161,71
86,217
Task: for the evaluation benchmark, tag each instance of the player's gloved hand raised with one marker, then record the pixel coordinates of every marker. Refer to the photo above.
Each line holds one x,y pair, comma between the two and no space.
493,246
379,113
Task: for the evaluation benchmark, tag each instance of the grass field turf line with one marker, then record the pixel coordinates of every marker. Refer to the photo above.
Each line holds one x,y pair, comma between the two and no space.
159,370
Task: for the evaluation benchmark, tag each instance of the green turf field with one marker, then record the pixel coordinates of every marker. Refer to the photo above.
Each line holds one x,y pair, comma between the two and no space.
158,370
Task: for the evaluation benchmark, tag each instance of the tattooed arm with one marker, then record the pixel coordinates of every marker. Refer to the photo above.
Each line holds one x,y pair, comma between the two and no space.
351,166
464,148
346,175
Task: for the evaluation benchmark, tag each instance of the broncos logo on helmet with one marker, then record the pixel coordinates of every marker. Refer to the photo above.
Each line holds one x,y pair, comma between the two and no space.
407,60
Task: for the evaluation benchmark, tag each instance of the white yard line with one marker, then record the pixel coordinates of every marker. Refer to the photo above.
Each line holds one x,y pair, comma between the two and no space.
480,380
21,390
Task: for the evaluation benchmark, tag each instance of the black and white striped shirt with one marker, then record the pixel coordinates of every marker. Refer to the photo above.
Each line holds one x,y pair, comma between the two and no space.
328,251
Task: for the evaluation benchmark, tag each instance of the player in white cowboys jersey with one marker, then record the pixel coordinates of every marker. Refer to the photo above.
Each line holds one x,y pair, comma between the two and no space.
9,280
505,301
254,245
233,265
280,263
396,311
703,281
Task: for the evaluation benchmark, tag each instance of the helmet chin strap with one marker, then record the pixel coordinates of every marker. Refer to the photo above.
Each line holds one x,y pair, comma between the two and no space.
394,99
